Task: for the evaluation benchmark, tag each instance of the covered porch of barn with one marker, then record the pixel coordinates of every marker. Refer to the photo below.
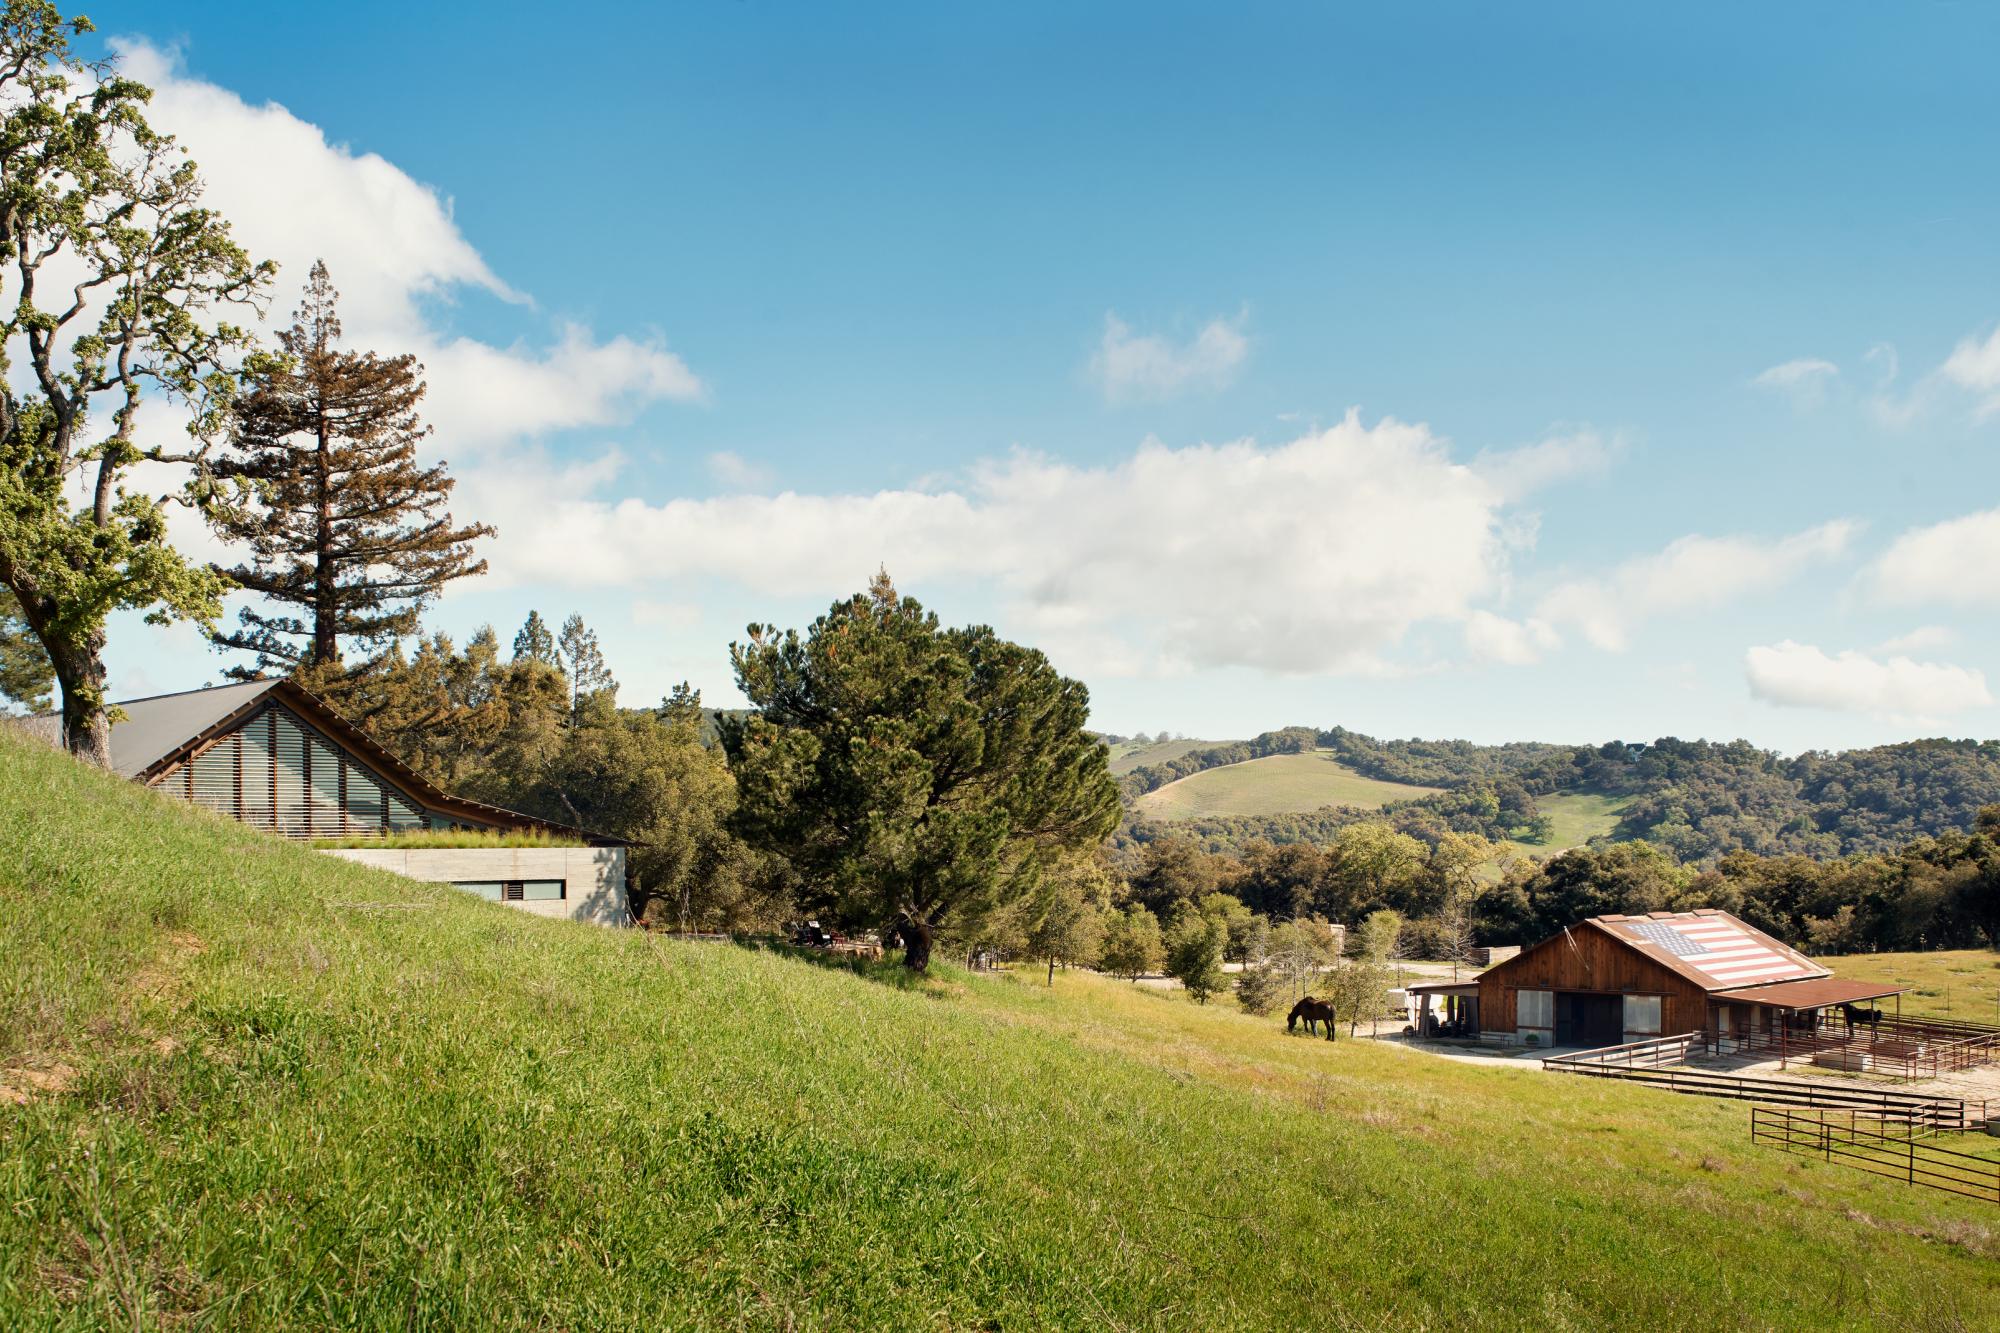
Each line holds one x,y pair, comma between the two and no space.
1823,1020
1444,1009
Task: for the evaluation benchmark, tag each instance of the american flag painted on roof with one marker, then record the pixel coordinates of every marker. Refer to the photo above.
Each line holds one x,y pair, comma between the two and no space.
1719,947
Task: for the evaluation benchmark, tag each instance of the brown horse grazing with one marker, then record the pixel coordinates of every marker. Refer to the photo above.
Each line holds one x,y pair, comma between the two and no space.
1313,1012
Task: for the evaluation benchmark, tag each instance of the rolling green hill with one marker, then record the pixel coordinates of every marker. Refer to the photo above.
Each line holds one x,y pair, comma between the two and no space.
1575,818
1127,755
246,1086
1279,784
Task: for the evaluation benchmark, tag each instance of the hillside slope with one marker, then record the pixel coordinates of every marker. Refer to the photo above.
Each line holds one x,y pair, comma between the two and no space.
1276,785
254,1087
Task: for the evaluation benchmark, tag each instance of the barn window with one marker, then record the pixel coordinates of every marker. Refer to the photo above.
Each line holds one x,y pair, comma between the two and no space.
1642,1015
1534,1009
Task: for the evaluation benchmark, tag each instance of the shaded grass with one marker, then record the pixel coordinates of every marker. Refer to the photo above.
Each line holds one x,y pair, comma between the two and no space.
288,1111
1275,785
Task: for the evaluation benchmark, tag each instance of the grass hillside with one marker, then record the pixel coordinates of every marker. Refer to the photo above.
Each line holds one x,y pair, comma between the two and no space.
1128,755
1577,817
1951,983
1276,785
249,1086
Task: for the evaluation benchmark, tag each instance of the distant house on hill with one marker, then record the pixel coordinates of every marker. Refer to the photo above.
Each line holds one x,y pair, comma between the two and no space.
1609,980
279,758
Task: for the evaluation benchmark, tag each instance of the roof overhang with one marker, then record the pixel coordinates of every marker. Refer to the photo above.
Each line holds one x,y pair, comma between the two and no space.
324,716
1812,993
1444,988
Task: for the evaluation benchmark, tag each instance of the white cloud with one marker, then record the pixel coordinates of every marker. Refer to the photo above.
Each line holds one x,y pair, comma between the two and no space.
1956,561
1801,373
1130,367
1694,571
1495,638
1920,640
734,472
1518,472
1975,365
1804,380
393,249
1315,555
1799,675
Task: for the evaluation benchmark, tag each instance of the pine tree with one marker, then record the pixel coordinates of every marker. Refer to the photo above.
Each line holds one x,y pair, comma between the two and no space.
349,535
25,674
911,774
536,642
583,662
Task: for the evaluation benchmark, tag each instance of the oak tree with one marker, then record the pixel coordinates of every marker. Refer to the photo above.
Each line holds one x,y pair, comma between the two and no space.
114,280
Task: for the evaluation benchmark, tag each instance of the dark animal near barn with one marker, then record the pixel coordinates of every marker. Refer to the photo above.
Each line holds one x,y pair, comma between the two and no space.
1313,1012
1869,1018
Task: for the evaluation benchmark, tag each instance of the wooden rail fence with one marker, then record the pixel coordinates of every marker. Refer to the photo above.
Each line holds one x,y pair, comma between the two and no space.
1894,1149
1647,1062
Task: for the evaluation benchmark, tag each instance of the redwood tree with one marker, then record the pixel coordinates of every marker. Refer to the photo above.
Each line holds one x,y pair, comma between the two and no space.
349,536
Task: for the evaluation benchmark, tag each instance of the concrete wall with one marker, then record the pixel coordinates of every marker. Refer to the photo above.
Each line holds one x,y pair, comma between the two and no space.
594,876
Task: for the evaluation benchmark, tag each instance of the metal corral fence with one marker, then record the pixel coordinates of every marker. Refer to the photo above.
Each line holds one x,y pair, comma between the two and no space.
1908,1048
1647,1062
1893,1149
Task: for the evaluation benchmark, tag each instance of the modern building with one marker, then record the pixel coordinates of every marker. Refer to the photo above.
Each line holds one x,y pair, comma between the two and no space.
1609,980
273,755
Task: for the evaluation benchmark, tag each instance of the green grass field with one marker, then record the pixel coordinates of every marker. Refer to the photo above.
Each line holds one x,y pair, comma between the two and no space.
1126,756
1577,818
248,1086
1955,983
1279,784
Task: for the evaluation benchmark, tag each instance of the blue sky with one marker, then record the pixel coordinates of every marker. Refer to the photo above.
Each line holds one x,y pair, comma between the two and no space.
1568,372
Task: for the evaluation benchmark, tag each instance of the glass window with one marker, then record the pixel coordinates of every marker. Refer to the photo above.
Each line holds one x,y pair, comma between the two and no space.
364,801
289,755
256,738
542,890
1642,1015
485,888
1534,1009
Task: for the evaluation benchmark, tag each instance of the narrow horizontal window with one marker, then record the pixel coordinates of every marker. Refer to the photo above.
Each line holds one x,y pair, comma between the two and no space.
490,890
543,890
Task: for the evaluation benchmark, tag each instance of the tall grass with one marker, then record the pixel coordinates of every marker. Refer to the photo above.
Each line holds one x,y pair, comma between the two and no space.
259,1100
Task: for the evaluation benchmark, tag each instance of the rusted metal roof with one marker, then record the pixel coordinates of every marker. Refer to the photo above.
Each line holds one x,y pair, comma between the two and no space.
1814,993
1710,948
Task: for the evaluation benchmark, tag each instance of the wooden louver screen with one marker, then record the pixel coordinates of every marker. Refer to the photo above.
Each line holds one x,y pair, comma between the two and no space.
276,772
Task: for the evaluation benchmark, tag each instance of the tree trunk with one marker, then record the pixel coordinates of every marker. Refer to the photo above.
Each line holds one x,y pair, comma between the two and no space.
1052,969
326,644
86,731
916,944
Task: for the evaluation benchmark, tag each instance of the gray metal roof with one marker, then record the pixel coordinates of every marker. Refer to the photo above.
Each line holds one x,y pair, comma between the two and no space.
158,727
155,727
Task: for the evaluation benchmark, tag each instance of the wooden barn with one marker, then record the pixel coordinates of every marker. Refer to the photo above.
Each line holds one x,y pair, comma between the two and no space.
1615,979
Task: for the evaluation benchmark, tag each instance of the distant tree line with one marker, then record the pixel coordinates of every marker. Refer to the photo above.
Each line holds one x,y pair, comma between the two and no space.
1701,800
